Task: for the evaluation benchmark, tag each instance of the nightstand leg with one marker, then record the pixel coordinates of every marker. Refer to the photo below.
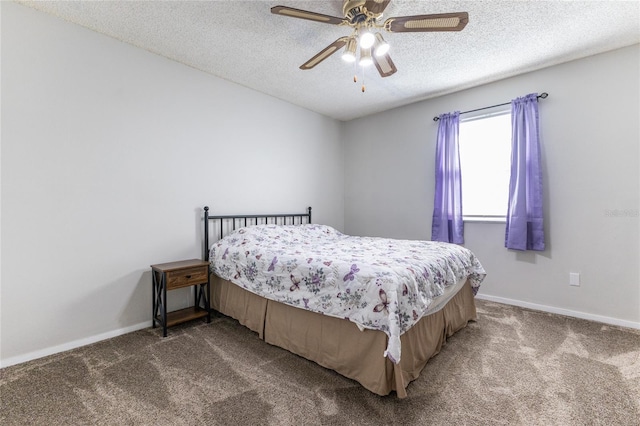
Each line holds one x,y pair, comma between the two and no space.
164,305
154,299
159,313
202,295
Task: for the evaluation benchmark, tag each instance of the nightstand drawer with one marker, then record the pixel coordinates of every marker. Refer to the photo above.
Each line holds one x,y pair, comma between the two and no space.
187,277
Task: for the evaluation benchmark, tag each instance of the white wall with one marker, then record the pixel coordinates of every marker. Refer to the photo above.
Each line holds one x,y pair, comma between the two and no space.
108,155
590,137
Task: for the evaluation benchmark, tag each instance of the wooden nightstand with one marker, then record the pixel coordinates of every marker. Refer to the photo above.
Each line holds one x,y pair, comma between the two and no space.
173,275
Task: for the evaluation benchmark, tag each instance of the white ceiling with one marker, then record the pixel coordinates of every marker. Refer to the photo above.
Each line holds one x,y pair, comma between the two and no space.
241,41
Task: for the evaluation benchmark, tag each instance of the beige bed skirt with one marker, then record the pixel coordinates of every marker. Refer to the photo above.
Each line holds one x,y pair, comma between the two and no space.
338,344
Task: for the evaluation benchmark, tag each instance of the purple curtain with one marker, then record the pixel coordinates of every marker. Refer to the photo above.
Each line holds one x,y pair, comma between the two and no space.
525,230
447,222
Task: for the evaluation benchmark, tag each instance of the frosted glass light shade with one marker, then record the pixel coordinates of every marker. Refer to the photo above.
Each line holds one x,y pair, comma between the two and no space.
381,47
365,57
349,54
366,40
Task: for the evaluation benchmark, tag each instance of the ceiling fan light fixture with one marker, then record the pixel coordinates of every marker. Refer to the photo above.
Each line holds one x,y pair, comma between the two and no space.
380,47
364,17
367,39
365,57
349,54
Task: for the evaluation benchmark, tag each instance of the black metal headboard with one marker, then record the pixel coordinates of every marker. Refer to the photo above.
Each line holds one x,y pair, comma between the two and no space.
229,223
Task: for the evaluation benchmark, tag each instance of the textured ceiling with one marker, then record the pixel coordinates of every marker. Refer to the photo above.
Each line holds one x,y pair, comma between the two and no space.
241,41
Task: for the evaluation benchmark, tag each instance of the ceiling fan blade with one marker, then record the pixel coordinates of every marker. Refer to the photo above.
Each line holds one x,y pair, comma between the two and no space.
424,23
324,53
385,65
305,14
376,6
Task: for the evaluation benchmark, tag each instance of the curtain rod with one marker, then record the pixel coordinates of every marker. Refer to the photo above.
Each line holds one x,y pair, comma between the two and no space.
542,95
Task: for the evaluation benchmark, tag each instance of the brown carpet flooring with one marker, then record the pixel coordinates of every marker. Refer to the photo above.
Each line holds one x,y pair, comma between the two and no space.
512,367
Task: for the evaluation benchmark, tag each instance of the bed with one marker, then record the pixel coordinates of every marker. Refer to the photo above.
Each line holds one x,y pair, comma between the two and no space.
374,310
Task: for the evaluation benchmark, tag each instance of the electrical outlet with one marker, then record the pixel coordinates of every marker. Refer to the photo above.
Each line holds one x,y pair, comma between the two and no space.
574,279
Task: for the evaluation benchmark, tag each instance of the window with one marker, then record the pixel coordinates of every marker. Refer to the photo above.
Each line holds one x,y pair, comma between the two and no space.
485,162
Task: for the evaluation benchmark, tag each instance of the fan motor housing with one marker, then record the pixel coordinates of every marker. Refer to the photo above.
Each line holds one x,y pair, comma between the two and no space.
354,11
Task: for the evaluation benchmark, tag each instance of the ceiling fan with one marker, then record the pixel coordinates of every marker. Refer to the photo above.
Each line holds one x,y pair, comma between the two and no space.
365,43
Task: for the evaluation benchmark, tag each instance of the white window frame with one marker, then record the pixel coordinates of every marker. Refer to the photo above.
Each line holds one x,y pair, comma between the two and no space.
504,110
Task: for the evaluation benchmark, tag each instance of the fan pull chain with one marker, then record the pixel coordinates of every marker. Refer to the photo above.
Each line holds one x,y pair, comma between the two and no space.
355,71
363,86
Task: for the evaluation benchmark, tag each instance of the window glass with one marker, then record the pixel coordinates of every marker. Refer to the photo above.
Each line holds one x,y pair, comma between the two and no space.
485,162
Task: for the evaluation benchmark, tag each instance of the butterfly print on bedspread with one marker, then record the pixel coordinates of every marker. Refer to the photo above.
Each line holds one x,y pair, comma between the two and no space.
351,275
273,264
296,283
384,303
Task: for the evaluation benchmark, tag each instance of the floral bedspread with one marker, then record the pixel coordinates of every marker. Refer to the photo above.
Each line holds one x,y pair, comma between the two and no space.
378,283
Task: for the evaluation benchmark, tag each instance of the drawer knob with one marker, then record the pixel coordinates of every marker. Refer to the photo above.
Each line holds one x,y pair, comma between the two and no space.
188,276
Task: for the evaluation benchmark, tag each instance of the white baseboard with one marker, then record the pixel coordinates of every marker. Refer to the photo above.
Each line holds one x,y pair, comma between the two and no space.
561,311
72,345
108,335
